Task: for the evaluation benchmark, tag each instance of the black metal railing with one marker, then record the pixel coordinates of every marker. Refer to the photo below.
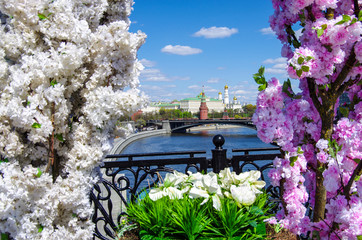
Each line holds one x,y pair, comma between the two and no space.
130,175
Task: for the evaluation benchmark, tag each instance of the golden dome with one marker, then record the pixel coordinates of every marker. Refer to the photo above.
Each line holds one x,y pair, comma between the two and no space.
235,98
226,87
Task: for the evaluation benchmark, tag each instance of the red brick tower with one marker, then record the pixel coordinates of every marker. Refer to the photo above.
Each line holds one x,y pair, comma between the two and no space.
203,108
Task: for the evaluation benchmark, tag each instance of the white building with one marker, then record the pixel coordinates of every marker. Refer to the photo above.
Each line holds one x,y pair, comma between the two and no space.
193,104
155,107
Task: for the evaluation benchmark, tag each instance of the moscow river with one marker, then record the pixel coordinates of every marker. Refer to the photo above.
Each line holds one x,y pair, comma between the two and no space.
235,138
239,137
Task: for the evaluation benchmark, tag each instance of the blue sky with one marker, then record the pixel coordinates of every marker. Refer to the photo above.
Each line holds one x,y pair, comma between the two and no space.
210,43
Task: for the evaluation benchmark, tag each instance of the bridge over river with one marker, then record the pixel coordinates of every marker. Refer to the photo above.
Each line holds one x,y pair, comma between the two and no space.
181,126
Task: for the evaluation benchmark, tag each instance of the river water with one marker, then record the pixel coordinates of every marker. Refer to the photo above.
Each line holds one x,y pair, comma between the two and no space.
235,138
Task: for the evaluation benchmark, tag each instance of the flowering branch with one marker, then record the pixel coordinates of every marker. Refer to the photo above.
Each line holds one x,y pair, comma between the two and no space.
357,172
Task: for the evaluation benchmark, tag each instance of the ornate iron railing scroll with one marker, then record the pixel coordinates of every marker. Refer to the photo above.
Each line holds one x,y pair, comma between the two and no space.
126,180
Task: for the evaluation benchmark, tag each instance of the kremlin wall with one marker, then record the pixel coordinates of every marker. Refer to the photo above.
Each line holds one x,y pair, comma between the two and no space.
193,104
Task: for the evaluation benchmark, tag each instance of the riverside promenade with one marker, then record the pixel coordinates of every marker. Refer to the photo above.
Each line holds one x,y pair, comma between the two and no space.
121,143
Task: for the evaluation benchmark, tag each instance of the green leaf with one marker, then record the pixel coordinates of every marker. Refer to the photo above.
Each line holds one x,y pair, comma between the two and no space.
36,125
357,160
300,60
293,160
39,173
262,87
59,136
324,26
260,80
316,235
53,82
42,16
354,20
300,151
360,14
346,18
305,68
307,120
344,111
359,237
299,72
261,70
308,58
253,223
40,228
4,160
320,32
261,229
4,236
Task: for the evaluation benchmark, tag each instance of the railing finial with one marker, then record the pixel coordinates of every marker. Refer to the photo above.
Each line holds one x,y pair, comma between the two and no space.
218,141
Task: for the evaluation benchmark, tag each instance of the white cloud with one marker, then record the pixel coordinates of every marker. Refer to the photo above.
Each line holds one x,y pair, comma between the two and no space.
267,31
147,63
194,87
280,68
180,78
213,80
153,75
275,60
220,68
215,32
151,87
240,92
181,50
170,86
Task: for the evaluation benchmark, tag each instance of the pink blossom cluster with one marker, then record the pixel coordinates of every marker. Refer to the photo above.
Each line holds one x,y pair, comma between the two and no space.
292,121
270,119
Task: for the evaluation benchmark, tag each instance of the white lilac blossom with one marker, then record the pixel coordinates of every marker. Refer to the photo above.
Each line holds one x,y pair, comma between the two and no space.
68,68
243,188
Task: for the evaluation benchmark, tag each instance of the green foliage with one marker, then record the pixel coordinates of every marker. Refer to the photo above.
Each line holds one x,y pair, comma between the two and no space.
287,88
4,236
345,18
187,219
53,83
260,79
124,227
36,125
151,216
4,160
344,111
59,136
334,148
293,160
43,16
249,109
39,173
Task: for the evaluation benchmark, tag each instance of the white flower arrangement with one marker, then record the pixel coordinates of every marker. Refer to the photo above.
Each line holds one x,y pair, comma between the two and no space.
68,72
242,188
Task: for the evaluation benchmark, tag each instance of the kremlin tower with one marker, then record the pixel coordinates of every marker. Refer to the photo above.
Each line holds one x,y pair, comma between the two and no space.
226,95
220,96
203,108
